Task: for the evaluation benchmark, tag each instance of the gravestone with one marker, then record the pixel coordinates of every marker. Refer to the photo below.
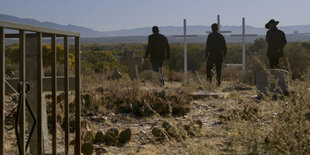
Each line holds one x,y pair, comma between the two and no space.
273,81
131,61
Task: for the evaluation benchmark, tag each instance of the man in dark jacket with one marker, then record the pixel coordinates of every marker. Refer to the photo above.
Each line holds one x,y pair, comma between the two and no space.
215,53
159,50
276,41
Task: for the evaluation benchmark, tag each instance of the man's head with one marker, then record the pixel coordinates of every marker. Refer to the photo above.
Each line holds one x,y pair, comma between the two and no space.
214,27
272,23
155,29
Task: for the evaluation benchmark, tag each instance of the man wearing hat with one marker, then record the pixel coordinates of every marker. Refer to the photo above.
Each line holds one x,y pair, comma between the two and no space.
159,50
276,41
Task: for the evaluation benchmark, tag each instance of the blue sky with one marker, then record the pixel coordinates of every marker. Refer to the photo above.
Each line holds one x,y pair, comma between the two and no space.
107,15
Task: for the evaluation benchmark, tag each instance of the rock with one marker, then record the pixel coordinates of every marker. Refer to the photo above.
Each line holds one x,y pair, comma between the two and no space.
273,81
87,149
125,136
110,139
99,138
114,131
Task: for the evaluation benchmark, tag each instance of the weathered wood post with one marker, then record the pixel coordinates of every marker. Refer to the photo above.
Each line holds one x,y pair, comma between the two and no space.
32,69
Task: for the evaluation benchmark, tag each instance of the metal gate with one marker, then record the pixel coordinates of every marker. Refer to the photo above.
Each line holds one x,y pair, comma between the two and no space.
28,31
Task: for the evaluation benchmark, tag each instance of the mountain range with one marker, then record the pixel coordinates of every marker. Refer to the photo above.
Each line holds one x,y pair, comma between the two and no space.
89,35
167,30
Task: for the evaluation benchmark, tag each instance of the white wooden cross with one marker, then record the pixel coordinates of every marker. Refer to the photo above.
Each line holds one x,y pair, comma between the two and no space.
243,35
185,48
219,26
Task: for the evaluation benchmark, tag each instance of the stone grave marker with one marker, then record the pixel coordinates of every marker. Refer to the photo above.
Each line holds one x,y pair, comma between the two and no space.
273,81
132,61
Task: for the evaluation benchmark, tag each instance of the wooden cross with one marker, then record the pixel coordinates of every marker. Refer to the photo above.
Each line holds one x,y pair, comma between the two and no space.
219,26
243,35
131,61
185,48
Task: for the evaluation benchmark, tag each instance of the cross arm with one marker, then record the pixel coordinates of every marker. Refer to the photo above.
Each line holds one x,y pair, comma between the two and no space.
220,32
240,35
184,35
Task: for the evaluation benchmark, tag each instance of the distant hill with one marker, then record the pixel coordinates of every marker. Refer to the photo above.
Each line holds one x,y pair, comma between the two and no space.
139,34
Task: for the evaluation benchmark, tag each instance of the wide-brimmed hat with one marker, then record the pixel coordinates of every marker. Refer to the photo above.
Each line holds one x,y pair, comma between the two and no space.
272,21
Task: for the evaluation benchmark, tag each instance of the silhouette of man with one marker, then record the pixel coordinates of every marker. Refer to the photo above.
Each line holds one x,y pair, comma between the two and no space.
276,41
216,50
159,50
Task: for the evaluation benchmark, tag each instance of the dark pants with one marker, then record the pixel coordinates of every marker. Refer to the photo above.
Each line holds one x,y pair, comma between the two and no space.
217,61
274,62
156,65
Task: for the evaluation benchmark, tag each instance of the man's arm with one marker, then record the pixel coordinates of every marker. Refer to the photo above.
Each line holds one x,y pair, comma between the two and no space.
167,47
147,51
284,39
208,44
224,46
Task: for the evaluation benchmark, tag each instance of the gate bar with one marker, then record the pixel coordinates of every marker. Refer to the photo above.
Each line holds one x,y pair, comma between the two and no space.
77,97
54,95
2,88
22,77
39,94
66,84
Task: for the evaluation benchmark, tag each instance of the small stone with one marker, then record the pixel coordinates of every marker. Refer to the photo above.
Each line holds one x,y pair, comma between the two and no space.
125,136
87,148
